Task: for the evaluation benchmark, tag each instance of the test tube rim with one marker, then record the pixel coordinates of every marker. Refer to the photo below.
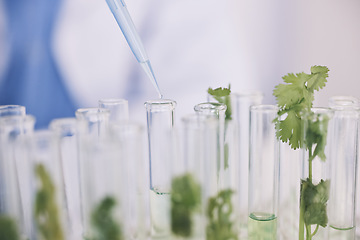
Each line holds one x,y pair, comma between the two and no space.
160,104
212,106
5,109
82,112
113,101
16,119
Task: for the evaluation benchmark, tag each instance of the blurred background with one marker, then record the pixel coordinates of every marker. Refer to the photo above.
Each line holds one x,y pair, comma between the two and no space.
60,55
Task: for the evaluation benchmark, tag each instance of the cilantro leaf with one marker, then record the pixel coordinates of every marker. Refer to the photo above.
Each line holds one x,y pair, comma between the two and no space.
316,133
222,95
185,199
315,198
8,229
103,221
47,215
219,212
294,97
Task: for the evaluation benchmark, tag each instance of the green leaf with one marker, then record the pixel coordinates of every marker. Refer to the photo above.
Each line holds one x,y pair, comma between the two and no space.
103,222
289,130
219,212
315,198
294,97
318,77
185,200
222,95
8,229
316,134
47,214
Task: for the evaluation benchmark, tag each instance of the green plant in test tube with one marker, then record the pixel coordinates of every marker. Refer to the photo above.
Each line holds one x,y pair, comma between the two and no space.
220,207
46,210
294,99
219,213
185,201
103,222
8,229
222,95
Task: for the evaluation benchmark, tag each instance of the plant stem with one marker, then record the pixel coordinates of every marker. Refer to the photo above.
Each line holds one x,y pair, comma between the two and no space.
302,210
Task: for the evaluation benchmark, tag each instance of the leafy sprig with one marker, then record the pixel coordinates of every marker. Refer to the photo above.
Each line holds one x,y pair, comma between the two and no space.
295,97
185,200
8,229
222,95
103,222
315,199
47,214
219,213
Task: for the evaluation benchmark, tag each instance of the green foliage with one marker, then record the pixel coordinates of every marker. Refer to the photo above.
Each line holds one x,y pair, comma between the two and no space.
8,229
315,199
222,95
185,199
293,98
46,210
219,211
103,222
316,133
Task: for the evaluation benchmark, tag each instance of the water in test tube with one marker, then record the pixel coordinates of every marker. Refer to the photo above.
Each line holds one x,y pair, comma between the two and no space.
122,16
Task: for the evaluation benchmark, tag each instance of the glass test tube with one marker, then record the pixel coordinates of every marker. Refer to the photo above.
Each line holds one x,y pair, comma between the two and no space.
263,173
314,173
241,103
217,110
92,126
237,132
227,173
15,171
160,128
344,101
7,110
343,172
50,213
195,178
350,102
65,131
10,110
119,109
128,139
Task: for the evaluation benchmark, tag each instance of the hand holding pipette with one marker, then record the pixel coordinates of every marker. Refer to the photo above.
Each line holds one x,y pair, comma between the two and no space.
122,16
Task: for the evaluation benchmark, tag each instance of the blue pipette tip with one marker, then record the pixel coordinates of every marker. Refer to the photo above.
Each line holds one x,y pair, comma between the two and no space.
149,72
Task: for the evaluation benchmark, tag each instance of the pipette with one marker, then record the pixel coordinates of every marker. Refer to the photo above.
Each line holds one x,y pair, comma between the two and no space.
122,16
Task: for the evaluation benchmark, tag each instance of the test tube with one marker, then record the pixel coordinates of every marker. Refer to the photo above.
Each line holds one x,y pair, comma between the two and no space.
228,170
317,126
160,128
350,103
195,178
7,110
263,173
343,155
92,126
241,103
92,121
119,109
216,110
344,102
15,172
50,213
66,133
128,139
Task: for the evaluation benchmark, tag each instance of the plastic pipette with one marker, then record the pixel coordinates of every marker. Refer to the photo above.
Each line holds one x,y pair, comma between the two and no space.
122,16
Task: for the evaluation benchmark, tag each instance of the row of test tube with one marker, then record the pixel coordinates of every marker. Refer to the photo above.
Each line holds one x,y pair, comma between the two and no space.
210,177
